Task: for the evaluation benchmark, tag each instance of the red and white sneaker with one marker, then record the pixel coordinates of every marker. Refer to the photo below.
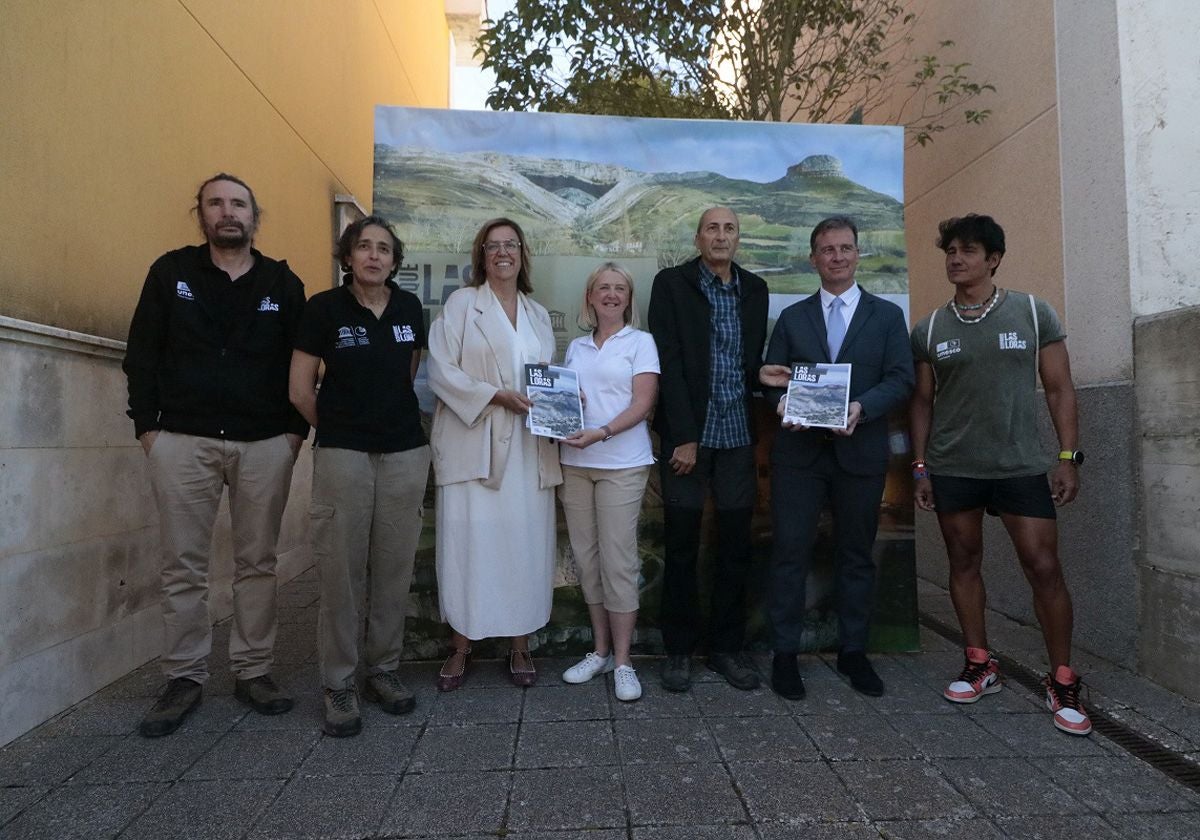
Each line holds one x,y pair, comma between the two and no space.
1062,698
980,675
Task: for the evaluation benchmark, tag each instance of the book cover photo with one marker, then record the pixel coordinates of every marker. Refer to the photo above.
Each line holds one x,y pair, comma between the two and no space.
557,411
818,395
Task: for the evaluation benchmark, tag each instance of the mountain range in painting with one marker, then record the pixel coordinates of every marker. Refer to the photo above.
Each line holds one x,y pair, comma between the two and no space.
569,207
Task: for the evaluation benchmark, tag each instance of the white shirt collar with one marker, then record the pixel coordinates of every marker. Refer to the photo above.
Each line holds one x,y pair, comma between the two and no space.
849,297
590,338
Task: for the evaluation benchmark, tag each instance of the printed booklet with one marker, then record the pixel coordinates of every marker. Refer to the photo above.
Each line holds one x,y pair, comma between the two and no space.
818,395
557,411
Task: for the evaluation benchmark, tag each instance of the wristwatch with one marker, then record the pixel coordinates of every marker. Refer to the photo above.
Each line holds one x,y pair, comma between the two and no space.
1075,456
608,433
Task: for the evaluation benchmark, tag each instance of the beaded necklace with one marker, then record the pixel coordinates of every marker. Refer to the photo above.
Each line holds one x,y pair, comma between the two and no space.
991,304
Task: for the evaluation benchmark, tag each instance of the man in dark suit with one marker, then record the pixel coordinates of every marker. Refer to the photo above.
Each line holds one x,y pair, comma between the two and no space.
844,467
709,320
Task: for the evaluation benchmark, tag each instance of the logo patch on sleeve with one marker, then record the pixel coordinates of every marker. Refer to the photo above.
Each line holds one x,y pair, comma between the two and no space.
945,349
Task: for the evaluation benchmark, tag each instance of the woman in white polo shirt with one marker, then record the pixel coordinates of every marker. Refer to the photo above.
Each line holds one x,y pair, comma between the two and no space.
605,468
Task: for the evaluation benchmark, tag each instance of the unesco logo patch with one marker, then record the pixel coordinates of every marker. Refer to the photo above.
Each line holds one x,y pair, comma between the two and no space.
946,349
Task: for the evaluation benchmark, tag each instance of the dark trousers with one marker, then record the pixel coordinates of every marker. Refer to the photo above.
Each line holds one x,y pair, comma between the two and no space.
729,475
798,495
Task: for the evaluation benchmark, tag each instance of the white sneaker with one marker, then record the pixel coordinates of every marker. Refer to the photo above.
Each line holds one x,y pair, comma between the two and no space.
628,687
590,666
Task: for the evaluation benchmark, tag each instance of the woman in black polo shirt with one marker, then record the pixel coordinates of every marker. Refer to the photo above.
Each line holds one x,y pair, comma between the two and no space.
370,465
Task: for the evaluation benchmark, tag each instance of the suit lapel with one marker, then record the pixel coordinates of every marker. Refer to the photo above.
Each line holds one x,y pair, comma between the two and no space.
862,313
497,331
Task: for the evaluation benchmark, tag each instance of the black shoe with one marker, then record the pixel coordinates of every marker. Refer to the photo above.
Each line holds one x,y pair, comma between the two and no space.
677,673
263,695
735,668
863,678
175,703
785,677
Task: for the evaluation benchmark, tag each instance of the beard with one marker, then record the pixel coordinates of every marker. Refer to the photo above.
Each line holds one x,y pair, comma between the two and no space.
222,237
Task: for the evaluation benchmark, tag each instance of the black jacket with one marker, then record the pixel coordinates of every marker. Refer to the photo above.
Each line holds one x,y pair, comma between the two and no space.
680,321
209,357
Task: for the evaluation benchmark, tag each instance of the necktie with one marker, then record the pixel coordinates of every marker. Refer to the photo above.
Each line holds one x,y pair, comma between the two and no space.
836,328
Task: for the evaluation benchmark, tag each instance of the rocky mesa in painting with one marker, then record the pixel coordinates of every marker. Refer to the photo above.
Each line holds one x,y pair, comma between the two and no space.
614,212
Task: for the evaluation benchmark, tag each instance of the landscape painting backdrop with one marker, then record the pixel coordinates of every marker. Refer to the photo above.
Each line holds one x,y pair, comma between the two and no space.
587,189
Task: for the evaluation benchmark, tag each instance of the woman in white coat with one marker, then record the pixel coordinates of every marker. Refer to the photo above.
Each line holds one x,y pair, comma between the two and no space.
495,480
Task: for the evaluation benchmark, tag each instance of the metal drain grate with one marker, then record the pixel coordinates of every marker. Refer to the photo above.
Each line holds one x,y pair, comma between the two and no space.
1165,760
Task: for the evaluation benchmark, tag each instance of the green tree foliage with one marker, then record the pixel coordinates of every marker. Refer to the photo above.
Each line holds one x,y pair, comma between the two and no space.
783,60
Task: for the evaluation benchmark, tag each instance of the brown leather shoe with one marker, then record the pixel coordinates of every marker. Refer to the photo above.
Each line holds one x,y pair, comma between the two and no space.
520,668
450,678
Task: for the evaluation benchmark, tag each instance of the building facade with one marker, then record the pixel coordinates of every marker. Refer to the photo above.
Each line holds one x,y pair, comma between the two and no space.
113,114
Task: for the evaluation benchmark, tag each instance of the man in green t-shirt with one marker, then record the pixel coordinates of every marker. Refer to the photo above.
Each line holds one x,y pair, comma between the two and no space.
975,440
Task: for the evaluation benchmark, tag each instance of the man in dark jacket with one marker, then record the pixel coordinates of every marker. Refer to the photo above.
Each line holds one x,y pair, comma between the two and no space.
207,362
709,319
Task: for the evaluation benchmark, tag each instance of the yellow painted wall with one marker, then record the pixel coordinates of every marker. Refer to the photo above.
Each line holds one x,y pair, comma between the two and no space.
1009,166
114,111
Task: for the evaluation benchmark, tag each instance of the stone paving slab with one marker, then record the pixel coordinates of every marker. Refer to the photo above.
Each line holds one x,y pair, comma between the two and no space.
83,811
564,762
254,755
748,739
205,810
793,792
681,794
575,743
1008,787
437,804
567,798
970,829
908,789
328,807
665,740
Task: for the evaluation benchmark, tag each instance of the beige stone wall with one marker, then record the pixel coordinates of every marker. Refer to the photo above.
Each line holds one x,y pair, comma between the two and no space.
79,592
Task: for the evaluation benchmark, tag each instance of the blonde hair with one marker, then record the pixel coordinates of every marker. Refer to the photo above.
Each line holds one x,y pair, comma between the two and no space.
587,319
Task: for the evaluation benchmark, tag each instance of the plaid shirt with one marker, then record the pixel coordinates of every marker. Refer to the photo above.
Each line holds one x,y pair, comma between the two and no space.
725,425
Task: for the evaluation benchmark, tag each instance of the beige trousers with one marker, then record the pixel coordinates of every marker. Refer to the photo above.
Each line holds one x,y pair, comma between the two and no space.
602,509
189,474
365,523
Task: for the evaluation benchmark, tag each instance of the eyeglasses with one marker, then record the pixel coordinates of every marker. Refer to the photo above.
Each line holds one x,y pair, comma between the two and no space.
844,250
512,245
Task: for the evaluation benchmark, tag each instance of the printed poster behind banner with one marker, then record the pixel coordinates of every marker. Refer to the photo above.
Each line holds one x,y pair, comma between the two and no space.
818,395
557,411
589,189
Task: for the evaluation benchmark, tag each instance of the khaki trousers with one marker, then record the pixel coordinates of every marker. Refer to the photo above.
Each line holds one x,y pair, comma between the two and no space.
602,507
189,474
365,523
